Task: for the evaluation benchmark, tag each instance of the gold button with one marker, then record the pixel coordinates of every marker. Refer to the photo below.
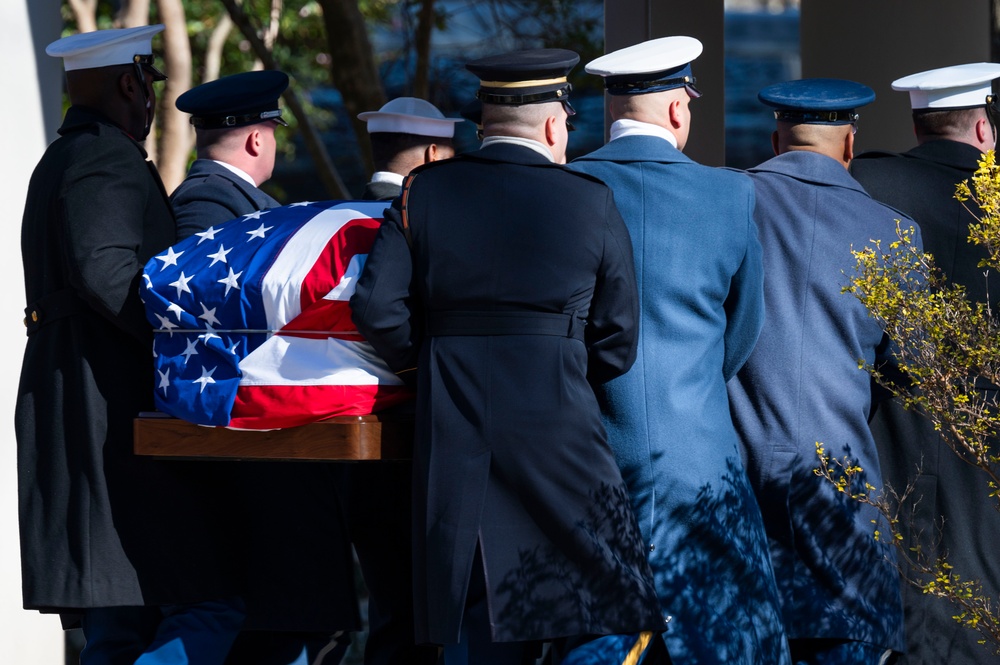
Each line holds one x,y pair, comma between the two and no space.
34,316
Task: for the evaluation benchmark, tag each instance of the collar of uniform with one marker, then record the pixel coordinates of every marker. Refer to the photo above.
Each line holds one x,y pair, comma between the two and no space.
537,146
239,172
628,127
388,177
812,167
78,117
954,154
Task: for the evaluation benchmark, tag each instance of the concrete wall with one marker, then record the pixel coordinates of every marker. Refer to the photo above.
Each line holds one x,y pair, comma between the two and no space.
29,114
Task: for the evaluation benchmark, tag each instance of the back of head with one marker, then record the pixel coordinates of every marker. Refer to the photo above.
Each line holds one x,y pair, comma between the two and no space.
407,132
816,115
953,103
95,63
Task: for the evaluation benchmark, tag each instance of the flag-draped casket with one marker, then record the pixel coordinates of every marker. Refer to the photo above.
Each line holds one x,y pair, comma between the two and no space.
253,323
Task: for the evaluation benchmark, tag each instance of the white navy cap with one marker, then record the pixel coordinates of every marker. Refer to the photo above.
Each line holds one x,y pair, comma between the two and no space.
652,66
103,48
949,88
410,115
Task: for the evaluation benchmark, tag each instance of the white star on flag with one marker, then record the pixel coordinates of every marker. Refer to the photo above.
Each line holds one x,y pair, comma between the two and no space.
234,347
149,282
258,232
208,315
230,281
205,378
182,284
208,334
207,234
164,380
300,204
254,215
191,350
166,324
176,309
169,259
219,256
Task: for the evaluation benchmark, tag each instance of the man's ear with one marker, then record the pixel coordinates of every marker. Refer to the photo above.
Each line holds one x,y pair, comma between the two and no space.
774,142
253,143
984,131
127,86
550,130
674,113
849,148
431,153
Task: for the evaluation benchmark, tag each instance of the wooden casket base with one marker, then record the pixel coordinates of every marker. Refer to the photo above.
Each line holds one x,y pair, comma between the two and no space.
343,438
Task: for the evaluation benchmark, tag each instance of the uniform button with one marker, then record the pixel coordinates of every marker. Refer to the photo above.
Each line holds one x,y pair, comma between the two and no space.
34,316
667,619
652,548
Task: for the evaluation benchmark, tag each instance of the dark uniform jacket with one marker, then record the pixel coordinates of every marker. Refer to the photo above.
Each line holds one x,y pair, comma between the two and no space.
380,191
211,191
517,295
299,570
921,183
802,385
701,291
100,526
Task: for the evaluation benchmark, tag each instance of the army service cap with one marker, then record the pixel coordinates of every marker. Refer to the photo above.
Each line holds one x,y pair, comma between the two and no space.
410,115
652,66
533,76
105,48
817,101
949,88
235,101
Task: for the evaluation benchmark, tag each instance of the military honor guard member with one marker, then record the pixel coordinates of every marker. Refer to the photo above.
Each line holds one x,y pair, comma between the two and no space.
405,133
700,279
802,383
130,546
506,281
299,573
954,122
234,118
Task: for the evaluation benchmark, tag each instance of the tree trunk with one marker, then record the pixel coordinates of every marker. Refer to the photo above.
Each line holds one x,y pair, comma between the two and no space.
324,165
353,68
132,14
213,51
85,12
177,137
422,46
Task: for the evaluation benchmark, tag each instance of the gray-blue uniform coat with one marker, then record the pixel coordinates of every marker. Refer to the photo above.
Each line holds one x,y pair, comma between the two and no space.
802,385
101,527
299,568
921,182
518,291
212,192
700,280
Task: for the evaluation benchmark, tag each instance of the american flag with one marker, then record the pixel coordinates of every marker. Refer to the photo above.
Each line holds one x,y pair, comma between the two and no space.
253,326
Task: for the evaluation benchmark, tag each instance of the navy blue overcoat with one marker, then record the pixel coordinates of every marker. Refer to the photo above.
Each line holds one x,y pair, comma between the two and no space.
212,192
518,291
700,281
802,385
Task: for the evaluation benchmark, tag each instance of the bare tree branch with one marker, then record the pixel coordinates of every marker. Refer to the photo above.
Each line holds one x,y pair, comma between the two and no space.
422,46
216,43
132,14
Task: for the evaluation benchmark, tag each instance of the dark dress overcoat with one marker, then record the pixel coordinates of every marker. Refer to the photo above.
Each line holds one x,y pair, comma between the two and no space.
297,558
801,385
211,191
517,295
921,183
100,526
701,293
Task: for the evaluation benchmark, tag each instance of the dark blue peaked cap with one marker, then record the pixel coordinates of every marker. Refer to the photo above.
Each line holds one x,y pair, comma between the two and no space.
817,101
524,77
235,101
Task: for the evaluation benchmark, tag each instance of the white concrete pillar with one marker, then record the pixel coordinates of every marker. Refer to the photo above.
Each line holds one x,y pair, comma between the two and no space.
29,113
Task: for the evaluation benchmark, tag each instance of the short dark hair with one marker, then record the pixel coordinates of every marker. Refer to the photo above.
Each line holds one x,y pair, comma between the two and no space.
946,123
387,145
